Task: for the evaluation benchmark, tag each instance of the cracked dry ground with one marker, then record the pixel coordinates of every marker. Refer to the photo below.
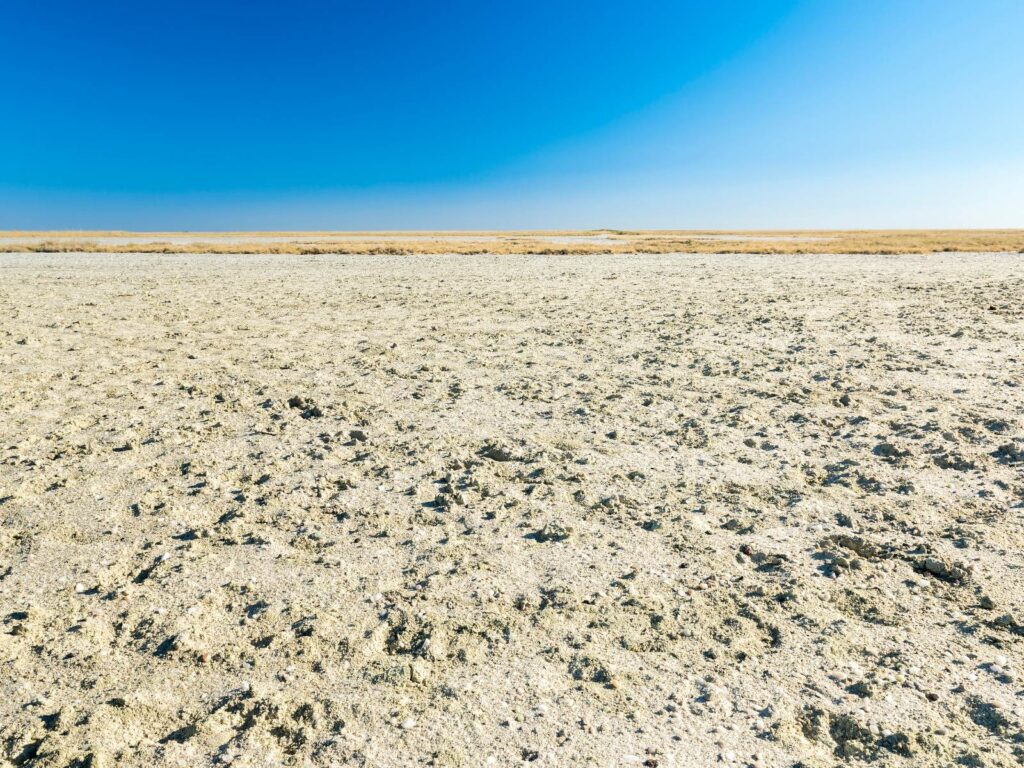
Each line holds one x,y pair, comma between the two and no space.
383,511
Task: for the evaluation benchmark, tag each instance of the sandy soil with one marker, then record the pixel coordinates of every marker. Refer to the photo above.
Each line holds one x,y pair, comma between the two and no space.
671,510
552,243
378,237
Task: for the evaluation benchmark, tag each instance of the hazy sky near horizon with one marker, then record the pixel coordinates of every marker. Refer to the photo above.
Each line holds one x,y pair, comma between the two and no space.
471,115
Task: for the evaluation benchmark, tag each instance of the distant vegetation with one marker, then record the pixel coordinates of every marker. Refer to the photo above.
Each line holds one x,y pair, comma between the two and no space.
553,242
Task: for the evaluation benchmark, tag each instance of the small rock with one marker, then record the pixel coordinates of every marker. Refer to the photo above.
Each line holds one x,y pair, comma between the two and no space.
553,532
496,452
419,672
1006,620
945,570
307,408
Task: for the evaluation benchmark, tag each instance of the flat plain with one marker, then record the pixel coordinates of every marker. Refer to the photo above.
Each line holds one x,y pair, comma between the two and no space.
652,509
590,242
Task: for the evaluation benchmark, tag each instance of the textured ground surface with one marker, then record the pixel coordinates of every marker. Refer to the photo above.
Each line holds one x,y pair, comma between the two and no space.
614,510
523,242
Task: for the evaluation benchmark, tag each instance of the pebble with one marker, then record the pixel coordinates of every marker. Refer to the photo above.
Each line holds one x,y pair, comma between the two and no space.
419,672
408,723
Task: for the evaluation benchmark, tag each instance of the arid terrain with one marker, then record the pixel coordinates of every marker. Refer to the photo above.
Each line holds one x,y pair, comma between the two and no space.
664,509
576,242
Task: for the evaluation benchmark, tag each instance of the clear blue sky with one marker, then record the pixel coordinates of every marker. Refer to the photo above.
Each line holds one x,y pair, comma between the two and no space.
472,114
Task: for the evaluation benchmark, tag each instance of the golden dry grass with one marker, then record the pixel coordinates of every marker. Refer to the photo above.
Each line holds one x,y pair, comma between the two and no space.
534,242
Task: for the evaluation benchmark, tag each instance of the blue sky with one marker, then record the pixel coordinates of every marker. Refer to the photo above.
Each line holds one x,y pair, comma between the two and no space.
336,115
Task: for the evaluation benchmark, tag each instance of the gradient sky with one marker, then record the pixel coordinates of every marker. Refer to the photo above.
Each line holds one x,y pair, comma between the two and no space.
398,115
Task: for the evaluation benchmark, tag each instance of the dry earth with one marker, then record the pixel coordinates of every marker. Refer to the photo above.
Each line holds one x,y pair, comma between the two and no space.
663,510
592,242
